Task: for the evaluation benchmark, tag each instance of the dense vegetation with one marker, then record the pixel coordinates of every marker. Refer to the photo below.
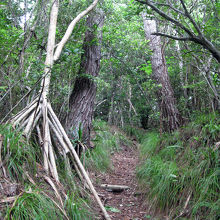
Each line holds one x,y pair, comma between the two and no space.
23,174
181,169
162,89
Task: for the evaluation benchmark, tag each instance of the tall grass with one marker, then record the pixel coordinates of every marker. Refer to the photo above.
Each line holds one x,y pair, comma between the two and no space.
77,208
183,165
17,154
34,205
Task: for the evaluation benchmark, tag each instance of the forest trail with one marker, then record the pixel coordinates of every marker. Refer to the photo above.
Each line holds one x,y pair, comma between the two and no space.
125,205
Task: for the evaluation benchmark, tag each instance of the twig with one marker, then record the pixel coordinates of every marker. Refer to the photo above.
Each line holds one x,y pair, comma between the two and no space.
184,208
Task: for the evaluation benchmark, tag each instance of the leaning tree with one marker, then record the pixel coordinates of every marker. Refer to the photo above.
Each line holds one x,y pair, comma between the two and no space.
40,115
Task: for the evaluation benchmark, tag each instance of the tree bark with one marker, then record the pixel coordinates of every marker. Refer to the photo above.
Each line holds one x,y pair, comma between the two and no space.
82,98
170,116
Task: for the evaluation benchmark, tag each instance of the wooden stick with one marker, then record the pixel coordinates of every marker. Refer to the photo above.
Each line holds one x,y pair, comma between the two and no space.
39,136
59,137
15,117
30,123
81,168
39,114
184,211
8,199
23,123
55,125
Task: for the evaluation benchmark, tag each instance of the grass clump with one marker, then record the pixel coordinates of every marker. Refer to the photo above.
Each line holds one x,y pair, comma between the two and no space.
77,208
38,205
183,165
149,144
34,205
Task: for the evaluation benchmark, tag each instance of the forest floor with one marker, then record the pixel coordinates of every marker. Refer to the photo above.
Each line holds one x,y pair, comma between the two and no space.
128,204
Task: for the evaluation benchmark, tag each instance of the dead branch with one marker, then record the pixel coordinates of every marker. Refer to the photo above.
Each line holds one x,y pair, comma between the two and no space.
114,188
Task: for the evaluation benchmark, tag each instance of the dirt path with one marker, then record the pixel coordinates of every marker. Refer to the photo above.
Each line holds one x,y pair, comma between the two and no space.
126,205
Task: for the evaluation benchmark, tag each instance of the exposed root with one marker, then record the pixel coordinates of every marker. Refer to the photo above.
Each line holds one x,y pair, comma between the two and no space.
40,115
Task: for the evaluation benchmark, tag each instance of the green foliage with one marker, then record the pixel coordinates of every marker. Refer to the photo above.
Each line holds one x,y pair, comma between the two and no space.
17,154
161,178
134,132
149,144
33,205
147,69
209,125
181,165
106,142
8,33
112,209
77,208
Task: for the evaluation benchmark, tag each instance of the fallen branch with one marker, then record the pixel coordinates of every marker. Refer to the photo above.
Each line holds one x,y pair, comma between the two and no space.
115,188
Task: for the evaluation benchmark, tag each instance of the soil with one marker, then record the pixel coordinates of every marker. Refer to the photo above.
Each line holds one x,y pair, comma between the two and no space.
128,204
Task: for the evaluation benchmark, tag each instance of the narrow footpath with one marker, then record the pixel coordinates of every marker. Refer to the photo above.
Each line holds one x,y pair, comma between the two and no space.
128,204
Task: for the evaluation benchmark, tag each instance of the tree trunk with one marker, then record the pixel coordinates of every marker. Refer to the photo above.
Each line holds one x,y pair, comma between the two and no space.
170,116
82,98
